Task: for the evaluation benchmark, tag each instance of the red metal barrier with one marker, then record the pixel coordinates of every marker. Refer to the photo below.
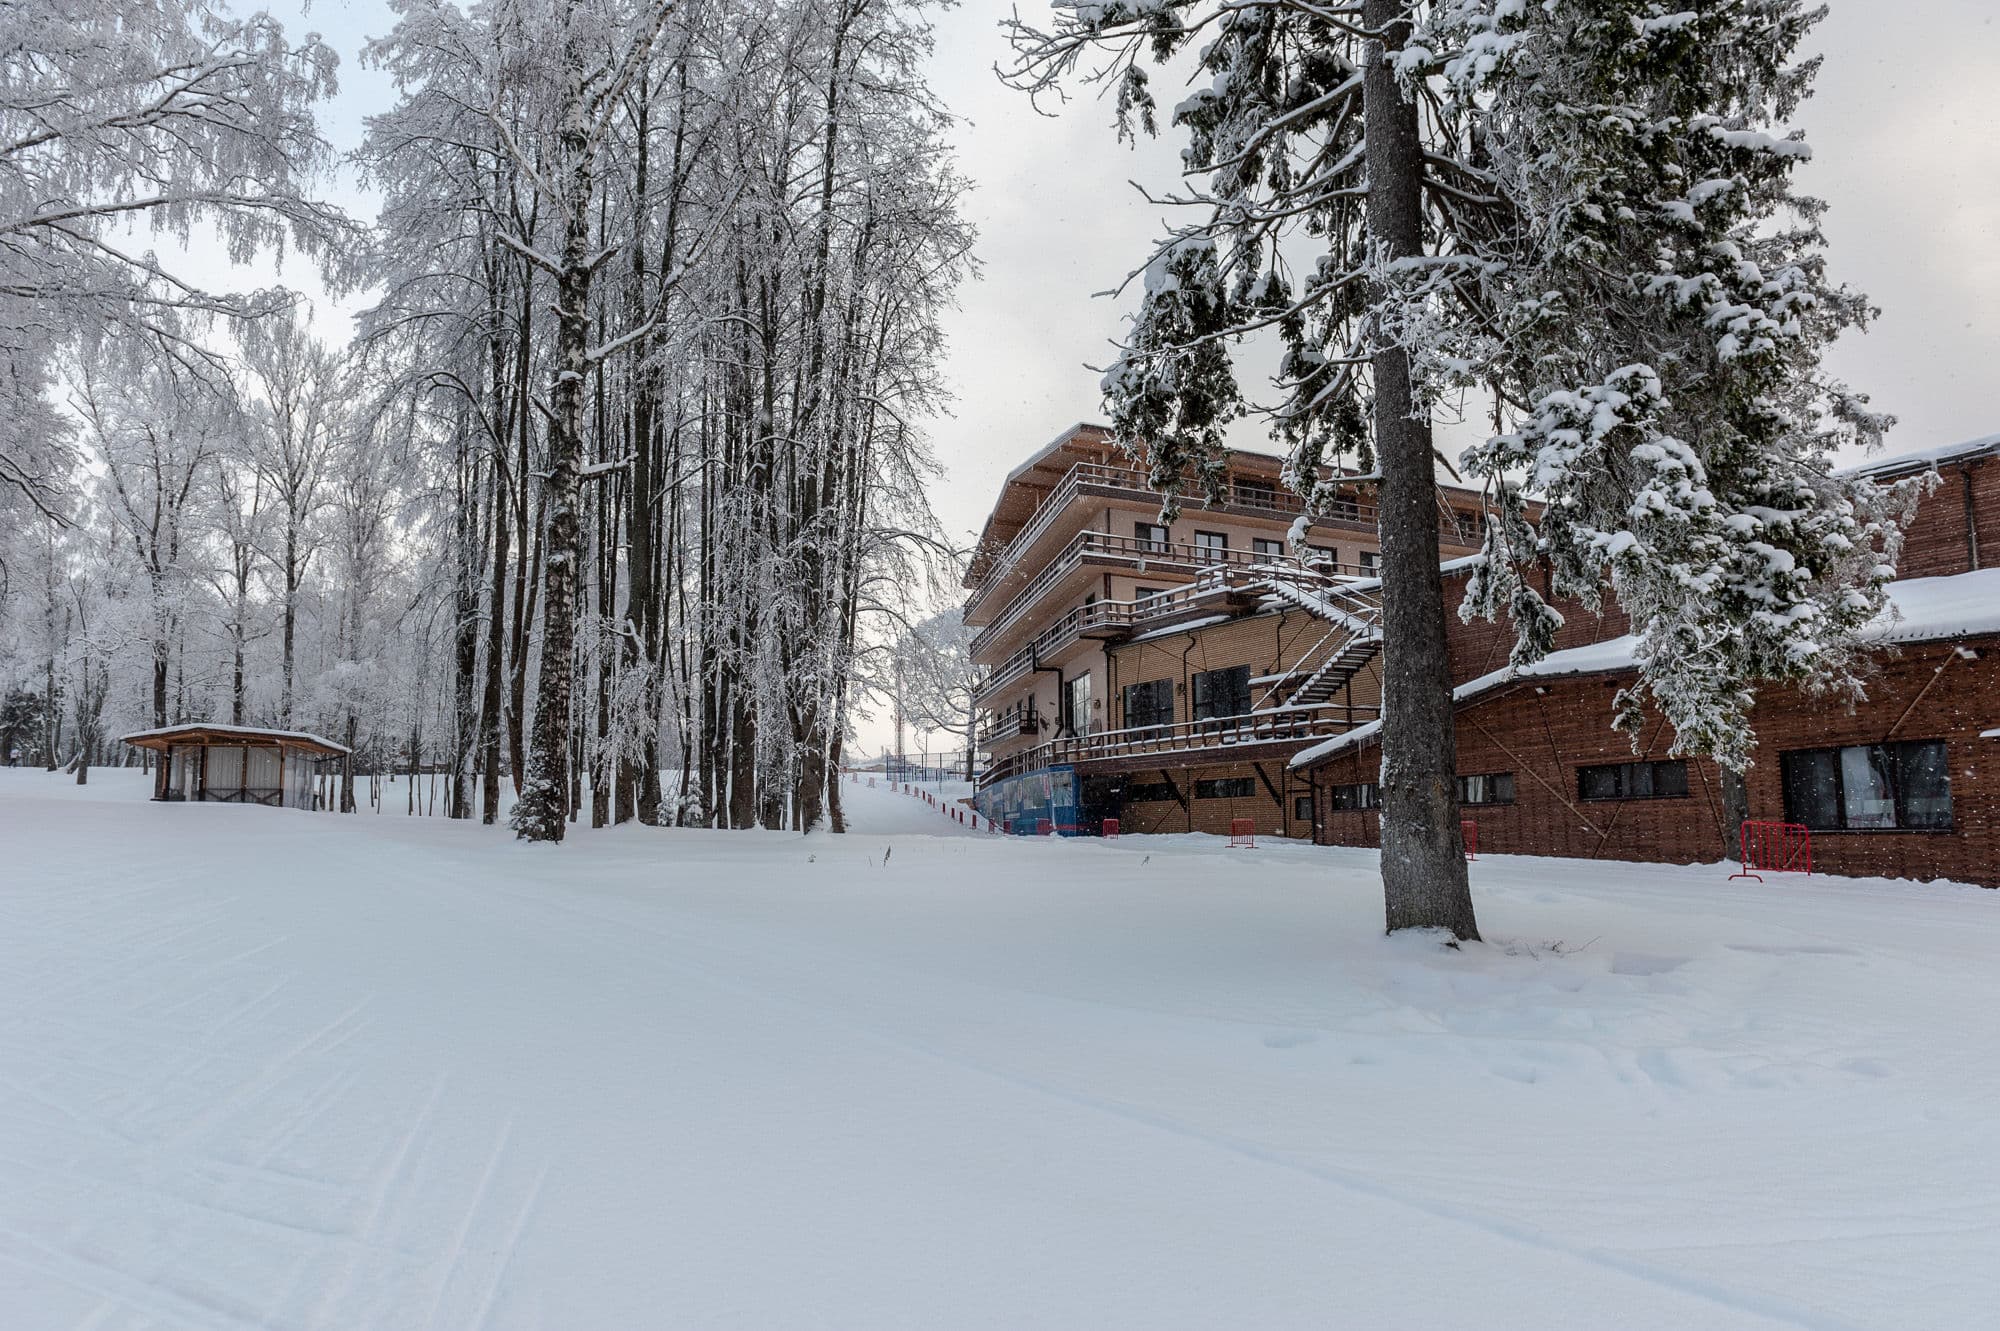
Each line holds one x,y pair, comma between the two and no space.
1468,832
1043,827
1774,848
1110,829
1243,832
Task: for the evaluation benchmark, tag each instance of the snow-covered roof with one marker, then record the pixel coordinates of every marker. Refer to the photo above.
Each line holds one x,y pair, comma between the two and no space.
216,728
1986,445
1958,605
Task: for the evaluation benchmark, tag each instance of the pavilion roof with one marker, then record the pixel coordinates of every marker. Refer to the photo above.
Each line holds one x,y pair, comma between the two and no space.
208,732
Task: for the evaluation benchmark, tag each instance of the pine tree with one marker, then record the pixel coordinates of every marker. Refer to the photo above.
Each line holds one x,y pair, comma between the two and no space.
1340,190
1659,313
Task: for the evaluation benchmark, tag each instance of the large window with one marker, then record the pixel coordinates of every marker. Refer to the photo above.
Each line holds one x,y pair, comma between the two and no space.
1149,792
1492,788
1219,693
1265,548
1151,535
1371,561
1367,795
1870,787
1302,808
1226,788
1076,705
1663,780
1211,542
1149,704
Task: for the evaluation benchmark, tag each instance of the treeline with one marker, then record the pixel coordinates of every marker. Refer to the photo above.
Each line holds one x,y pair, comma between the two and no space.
626,453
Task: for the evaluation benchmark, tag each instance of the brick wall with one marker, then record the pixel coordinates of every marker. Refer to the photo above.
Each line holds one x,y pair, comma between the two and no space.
1268,644
1482,646
1961,514
1273,817
1543,737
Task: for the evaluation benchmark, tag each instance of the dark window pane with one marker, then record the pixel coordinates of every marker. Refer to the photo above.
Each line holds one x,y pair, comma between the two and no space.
1302,808
1923,784
1503,788
1670,779
1867,792
1151,792
1150,703
1225,788
1812,789
1597,783
1353,797
1219,693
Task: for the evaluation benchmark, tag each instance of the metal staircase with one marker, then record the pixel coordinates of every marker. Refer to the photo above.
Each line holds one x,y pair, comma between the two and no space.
1352,641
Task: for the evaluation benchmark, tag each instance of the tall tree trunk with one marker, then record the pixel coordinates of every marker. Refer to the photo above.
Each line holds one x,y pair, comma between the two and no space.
1423,860
545,798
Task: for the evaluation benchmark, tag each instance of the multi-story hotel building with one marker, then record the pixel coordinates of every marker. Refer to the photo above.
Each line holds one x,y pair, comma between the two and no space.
1160,674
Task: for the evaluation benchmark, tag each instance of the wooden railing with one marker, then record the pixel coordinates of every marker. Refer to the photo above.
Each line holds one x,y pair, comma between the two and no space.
1128,482
1169,558
1252,728
1010,724
1119,618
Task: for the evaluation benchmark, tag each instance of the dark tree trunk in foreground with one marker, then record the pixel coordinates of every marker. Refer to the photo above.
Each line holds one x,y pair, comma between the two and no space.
1423,860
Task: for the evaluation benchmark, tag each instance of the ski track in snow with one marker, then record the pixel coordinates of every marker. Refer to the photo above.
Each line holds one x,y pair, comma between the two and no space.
262,1069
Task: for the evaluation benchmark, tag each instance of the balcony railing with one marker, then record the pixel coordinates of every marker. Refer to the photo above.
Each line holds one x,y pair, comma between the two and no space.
1011,724
1186,737
1174,558
1129,483
1114,619
1212,587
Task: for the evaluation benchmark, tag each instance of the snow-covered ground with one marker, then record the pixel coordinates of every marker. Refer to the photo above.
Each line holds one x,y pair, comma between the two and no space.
269,1069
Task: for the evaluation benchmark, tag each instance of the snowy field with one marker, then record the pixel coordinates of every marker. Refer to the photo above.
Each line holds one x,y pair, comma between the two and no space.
268,1069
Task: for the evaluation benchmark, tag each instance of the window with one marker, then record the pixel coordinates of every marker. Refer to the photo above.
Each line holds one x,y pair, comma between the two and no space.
1302,808
1367,795
1870,787
1633,781
1265,548
1150,535
1220,693
1371,561
1076,705
1257,494
1211,542
1225,788
1150,703
1322,554
1493,788
1149,792
1144,593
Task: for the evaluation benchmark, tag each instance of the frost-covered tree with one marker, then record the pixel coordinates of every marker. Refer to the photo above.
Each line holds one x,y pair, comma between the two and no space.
296,396
155,431
1660,309
937,682
171,114
1336,195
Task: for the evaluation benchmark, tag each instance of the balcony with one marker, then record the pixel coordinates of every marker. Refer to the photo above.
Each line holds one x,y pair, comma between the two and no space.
1099,481
1251,736
1012,724
1211,590
1098,549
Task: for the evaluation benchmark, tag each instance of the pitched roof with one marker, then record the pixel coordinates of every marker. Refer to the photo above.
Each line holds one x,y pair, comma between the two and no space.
1903,463
1958,605
148,739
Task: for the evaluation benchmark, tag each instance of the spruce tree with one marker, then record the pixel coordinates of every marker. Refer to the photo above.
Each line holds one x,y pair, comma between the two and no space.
1659,309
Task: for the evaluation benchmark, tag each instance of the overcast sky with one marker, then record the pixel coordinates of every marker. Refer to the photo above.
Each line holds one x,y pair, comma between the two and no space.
1905,151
